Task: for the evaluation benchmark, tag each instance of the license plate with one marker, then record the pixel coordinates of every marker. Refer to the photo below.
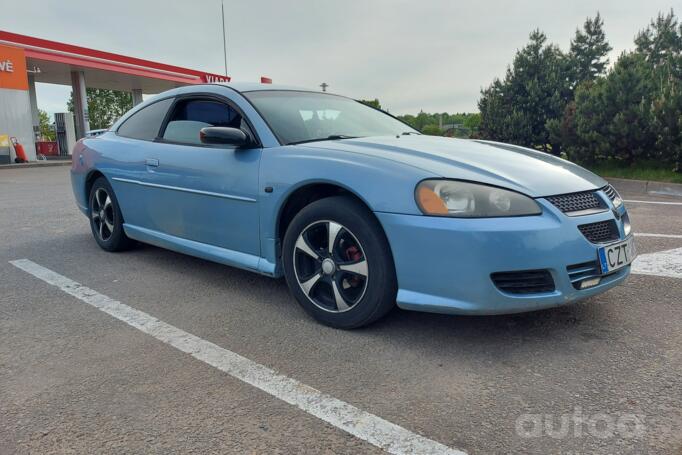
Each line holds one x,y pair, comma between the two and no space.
617,255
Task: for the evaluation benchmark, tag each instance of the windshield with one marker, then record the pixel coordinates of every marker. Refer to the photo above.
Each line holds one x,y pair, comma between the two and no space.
297,117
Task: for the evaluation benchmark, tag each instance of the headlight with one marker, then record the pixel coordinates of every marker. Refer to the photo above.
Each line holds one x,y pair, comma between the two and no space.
471,200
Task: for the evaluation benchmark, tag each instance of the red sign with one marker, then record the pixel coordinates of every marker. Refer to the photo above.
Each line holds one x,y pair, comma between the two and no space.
265,80
214,78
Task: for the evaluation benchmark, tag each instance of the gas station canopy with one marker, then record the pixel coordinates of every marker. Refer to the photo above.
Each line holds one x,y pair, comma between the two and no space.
25,60
56,61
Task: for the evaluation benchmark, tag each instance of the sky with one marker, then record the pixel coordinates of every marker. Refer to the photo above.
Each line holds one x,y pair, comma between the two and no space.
431,55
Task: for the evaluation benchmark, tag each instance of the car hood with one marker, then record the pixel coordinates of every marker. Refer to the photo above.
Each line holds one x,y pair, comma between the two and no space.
534,173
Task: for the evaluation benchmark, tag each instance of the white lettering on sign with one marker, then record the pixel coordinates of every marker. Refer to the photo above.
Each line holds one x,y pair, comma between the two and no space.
7,66
211,78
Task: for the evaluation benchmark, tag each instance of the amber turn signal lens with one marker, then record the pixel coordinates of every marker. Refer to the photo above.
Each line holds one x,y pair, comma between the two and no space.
430,203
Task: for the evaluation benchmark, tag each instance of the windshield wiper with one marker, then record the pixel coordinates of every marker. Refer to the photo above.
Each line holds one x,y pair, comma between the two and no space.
332,137
407,133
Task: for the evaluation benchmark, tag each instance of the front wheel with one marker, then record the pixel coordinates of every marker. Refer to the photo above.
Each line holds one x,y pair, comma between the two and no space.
338,263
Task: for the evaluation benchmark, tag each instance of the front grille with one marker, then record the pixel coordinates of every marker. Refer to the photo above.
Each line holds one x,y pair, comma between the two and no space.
611,192
579,272
577,202
524,282
601,231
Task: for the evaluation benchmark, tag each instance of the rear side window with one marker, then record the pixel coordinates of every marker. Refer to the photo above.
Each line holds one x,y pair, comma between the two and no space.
145,123
190,116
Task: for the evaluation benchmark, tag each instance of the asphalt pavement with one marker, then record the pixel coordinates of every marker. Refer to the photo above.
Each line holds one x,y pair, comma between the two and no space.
78,376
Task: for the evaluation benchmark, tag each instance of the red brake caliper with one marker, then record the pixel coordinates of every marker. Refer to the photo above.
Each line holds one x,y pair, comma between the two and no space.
353,254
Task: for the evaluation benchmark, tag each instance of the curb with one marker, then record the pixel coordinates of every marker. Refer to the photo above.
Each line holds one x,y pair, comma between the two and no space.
646,187
36,164
667,189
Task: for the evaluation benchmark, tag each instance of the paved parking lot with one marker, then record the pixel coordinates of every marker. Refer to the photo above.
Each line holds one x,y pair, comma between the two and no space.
82,372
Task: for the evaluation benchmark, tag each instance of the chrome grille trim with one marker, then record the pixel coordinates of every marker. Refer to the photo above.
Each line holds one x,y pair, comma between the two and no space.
610,192
583,271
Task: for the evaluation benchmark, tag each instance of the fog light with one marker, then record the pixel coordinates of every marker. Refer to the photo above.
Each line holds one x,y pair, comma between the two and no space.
591,282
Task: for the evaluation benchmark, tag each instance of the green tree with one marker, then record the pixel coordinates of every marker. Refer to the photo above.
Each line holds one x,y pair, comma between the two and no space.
472,121
667,121
534,91
587,60
46,130
432,130
105,106
661,41
422,120
494,111
630,113
589,50
460,125
409,119
613,116
373,103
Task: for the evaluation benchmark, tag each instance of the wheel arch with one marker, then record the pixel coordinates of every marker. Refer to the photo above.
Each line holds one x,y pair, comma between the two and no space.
306,194
93,175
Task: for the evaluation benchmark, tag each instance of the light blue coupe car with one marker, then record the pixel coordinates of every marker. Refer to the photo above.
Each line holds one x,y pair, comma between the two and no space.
355,208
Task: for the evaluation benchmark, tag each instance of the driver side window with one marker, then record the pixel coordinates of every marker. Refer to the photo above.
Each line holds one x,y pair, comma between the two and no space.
190,116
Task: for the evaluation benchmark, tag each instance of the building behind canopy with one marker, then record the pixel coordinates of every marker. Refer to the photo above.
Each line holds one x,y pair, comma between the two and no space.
25,60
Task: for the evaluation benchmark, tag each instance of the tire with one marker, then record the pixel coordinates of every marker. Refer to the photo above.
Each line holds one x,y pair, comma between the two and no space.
359,269
106,220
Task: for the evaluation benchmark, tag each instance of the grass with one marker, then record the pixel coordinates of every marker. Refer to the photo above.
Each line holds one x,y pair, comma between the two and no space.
650,170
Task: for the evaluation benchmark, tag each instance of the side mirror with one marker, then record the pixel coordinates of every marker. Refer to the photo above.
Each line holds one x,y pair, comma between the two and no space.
225,136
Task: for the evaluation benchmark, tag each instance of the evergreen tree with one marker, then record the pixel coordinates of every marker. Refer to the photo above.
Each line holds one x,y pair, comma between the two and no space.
661,41
631,113
494,112
666,112
589,51
613,115
535,90
660,44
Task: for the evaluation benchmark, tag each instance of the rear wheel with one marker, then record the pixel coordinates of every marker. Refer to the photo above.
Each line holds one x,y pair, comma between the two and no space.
106,221
338,264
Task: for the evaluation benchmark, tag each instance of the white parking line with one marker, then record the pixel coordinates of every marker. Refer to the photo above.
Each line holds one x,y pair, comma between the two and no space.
375,430
653,202
663,236
664,263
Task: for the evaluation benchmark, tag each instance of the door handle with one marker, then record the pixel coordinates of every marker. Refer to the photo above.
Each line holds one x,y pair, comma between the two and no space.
153,162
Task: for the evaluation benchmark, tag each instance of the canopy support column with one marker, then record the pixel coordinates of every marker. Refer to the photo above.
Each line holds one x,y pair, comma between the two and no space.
33,99
137,96
80,103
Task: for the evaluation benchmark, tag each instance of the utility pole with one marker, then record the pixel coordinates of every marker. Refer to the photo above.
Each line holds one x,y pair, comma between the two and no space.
324,86
222,10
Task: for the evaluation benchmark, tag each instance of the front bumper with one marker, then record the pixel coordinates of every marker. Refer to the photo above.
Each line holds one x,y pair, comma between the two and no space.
444,265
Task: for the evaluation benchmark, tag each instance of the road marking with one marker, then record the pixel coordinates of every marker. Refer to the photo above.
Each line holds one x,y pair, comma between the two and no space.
653,202
375,430
664,263
664,236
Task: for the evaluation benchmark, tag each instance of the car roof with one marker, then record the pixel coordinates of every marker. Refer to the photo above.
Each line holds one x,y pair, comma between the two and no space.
239,87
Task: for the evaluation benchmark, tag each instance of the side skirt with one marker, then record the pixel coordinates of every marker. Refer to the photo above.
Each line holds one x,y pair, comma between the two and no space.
213,253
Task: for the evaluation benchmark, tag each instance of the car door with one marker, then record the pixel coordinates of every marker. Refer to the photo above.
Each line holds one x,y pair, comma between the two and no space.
124,157
205,193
